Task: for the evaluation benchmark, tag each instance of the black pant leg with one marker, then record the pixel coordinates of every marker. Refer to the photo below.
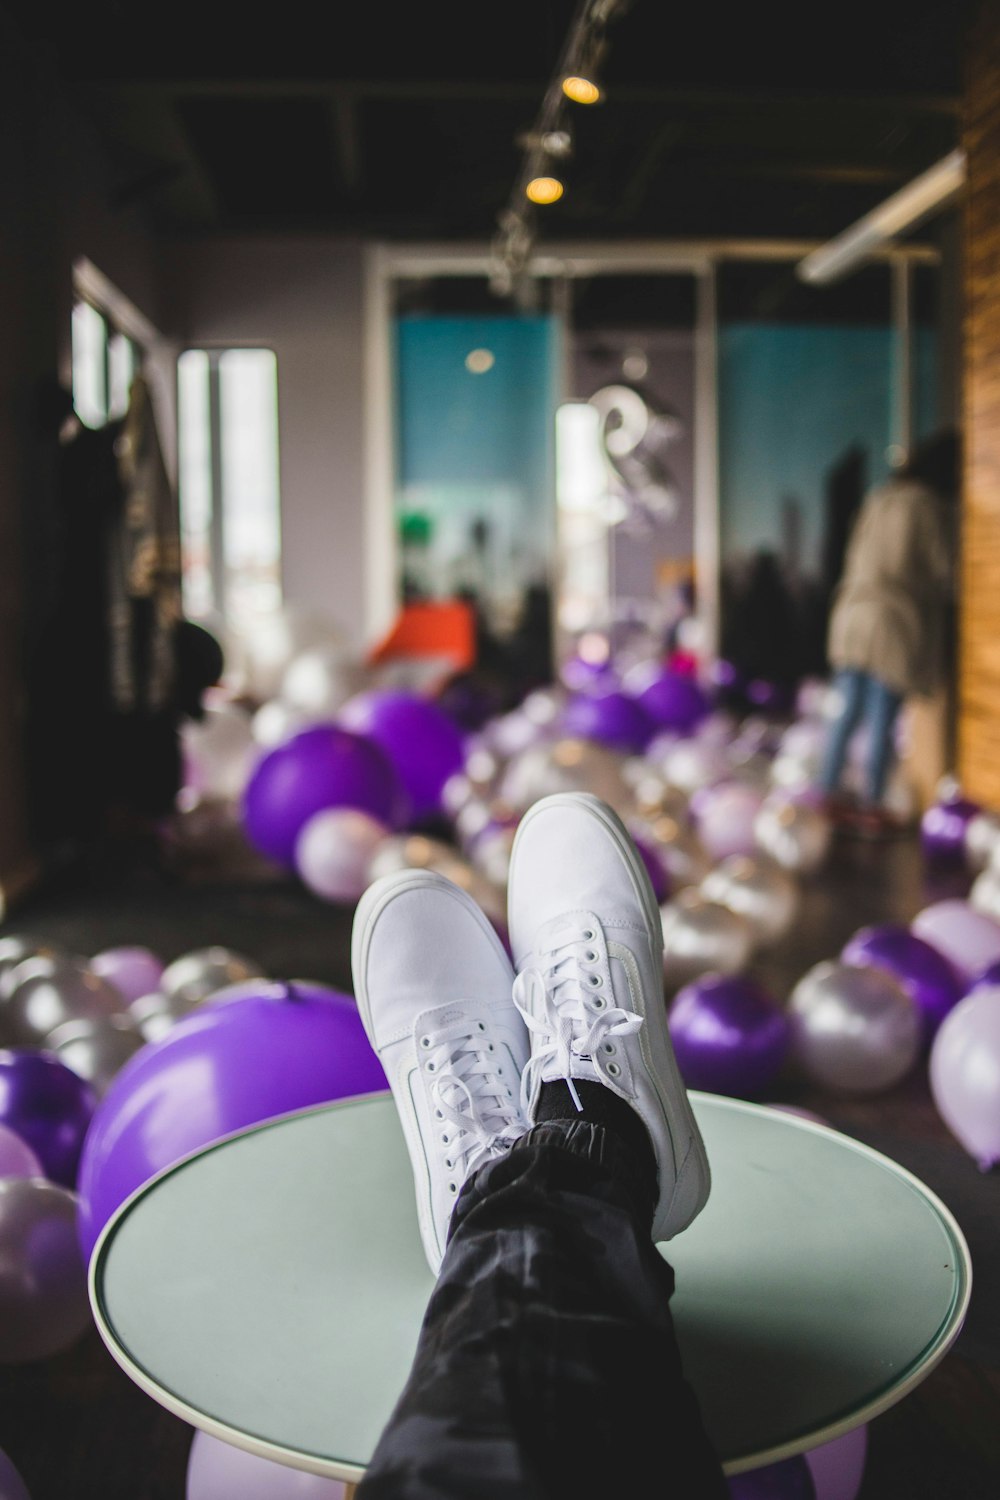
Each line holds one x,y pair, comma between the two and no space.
547,1364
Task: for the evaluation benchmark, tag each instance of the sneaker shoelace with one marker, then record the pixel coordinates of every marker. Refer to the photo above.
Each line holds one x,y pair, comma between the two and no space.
570,1017
476,1110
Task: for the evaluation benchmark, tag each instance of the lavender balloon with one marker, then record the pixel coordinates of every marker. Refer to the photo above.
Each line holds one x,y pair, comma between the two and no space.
612,719
965,1074
730,1035
17,1158
49,1106
967,938
926,975
417,737
324,766
221,1471
259,1049
788,1479
943,830
12,1486
133,971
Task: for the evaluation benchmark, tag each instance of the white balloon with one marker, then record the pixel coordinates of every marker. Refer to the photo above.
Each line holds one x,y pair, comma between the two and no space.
219,751
695,763
982,840
854,1029
702,937
794,834
319,681
97,1050
757,889
263,646
334,850
276,721
984,894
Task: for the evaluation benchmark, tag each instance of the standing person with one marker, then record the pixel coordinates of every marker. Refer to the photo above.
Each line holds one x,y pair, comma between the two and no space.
890,627
553,1145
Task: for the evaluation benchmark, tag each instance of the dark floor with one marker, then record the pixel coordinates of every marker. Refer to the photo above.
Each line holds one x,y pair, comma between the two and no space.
77,1427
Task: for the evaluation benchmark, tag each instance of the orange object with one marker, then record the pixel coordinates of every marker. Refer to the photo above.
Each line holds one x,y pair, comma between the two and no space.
442,630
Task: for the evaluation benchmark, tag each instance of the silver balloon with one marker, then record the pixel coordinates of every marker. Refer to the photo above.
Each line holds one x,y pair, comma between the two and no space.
513,732
854,1029
982,840
652,794
702,937
14,949
490,854
565,765
44,1306
45,991
96,1050
694,763
544,705
155,1014
984,895
196,975
757,889
795,834
683,858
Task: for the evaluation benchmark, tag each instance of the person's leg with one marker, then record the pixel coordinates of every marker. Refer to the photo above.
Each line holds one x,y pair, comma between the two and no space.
850,685
882,711
547,1364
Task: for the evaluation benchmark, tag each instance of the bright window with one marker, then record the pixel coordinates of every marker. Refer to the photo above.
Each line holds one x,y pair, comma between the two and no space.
104,361
228,482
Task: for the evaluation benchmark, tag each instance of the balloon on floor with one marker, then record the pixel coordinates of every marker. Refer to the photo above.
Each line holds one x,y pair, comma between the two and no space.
47,990
967,938
944,829
44,1306
927,976
965,1073
334,850
730,1035
252,1051
324,766
49,1106
787,1479
701,937
221,1471
420,741
856,1030
133,970
201,972
12,1486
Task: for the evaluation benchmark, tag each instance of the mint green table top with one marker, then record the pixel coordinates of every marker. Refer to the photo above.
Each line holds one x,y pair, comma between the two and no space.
269,1289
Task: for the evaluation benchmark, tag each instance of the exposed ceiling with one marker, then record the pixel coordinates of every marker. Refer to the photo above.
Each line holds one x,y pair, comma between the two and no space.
407,122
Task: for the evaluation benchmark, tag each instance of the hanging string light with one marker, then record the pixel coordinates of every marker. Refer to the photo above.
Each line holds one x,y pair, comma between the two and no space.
550,142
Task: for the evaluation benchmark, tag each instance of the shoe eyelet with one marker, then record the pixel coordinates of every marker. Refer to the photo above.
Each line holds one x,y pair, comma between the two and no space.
431,1067
425,1041
481,1025
595,981
609,1048
445,1138
439,1114
598,1002
591,955
613,1069
449,1164
452,1188
490,1047
589,935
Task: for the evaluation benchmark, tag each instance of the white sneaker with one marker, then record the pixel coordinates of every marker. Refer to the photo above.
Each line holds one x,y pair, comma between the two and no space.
587,940
433,987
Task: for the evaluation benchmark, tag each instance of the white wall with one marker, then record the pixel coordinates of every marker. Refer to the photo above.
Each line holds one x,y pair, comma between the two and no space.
302,298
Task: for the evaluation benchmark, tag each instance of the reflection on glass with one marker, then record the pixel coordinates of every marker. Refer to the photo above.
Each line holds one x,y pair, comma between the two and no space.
248,405
195,482
90,343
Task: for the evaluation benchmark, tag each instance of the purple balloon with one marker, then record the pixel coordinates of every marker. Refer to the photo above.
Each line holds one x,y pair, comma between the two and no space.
730,1036
323,766
655,866
424,745
587,676
942,830
788,1479
49,1106
926,975
253,1051
613,719
673,700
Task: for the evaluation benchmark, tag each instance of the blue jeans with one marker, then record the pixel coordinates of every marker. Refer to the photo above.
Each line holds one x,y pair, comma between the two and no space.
546,1364
863,698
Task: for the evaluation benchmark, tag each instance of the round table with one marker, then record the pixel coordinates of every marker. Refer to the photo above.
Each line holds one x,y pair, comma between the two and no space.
269,1288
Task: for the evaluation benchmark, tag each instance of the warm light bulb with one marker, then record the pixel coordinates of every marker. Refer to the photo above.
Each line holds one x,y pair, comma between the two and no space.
580,90
544,189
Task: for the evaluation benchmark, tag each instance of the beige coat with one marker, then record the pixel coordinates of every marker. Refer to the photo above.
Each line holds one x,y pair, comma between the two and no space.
889,609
